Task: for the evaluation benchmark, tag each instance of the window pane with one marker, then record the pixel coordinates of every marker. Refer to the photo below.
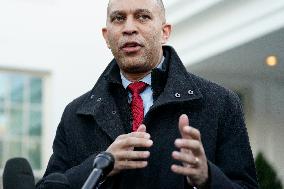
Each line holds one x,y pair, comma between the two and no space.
15,149
35,123
17,88
3,121
2,87
1,153
34,154
20,117
36,90
16,121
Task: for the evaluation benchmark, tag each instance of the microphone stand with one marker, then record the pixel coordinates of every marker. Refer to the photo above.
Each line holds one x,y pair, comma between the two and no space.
103,164
93,179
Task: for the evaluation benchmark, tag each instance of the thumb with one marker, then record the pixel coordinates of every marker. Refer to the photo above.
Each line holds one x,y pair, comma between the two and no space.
141,128
183,121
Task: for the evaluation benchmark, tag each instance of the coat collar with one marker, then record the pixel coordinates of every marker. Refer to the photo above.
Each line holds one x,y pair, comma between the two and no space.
179,87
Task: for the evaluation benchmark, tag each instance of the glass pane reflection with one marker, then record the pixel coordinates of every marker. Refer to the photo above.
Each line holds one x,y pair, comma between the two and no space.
1,154
3,121
16,121
3,81
17,88
36,90
35,123
15,149
34,154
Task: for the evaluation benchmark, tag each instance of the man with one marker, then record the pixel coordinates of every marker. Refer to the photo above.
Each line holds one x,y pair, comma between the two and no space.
193,133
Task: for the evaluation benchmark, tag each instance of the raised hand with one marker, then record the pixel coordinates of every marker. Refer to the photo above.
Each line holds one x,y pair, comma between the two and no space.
123,150
191,154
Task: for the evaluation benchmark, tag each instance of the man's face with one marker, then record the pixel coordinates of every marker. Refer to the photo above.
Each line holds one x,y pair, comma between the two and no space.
135,32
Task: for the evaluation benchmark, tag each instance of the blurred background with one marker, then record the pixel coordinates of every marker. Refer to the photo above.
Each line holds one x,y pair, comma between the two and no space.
52,51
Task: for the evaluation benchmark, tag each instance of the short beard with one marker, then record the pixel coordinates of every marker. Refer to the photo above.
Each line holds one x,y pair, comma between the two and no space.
142,64
135,66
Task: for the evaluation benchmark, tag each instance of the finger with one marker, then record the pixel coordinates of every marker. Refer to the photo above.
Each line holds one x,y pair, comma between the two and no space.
131,155
141,128
191,133
187,171
139,134
194,146
131,164
134,134
183,122
186,158
135,142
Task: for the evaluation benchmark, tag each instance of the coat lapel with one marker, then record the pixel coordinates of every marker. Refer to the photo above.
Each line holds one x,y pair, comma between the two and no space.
108,119
101,105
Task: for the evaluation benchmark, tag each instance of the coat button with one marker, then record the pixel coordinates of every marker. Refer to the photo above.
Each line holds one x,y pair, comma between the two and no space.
92,96
99,99
190,92
177,95
113,112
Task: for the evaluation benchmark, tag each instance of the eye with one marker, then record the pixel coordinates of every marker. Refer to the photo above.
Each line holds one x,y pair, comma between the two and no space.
144,17
118,18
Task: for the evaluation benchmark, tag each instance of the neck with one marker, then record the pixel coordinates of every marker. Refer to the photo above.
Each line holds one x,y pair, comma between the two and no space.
135,76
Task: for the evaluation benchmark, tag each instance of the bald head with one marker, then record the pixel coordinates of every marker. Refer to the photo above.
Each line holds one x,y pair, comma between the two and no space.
160,4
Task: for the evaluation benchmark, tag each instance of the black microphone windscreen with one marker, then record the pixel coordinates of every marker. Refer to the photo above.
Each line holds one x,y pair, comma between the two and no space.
105,162
18,174
55,181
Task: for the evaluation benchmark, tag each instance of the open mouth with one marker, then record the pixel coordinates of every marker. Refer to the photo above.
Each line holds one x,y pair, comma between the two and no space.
131,47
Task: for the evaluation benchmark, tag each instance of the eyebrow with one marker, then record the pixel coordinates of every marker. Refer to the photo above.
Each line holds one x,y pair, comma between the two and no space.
137,11
115,13
143,11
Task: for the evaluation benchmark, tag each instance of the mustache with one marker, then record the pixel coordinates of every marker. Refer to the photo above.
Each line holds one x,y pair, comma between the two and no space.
130,42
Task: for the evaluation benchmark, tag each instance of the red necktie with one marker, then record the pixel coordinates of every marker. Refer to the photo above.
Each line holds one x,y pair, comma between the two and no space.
137,108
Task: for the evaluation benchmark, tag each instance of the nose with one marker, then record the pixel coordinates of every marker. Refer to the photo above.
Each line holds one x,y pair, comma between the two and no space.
130,27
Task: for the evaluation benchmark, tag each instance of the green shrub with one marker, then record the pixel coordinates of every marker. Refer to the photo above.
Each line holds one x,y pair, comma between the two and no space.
267,176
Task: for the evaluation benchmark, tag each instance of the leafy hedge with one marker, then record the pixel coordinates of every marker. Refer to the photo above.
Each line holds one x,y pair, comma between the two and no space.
267,176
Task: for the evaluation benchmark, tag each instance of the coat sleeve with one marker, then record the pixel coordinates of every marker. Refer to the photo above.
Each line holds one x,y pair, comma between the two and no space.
60,162
234,165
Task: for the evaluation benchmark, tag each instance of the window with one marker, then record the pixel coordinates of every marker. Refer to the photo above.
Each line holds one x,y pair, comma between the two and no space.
21,117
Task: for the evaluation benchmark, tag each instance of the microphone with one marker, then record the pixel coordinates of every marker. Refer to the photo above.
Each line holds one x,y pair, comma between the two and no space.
18,174
55,181
103,164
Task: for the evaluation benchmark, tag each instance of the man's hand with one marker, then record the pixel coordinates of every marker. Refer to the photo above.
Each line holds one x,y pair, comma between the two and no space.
191,154
123,150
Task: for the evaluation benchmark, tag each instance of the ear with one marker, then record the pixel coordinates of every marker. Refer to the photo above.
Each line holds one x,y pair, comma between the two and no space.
167,29
105,35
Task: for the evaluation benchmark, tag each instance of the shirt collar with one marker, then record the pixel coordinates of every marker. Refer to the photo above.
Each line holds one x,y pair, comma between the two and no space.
146,79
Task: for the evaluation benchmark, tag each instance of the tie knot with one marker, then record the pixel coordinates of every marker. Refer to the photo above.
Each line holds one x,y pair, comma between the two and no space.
137,87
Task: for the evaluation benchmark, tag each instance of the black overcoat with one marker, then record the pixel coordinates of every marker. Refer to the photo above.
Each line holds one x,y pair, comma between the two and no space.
93,121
